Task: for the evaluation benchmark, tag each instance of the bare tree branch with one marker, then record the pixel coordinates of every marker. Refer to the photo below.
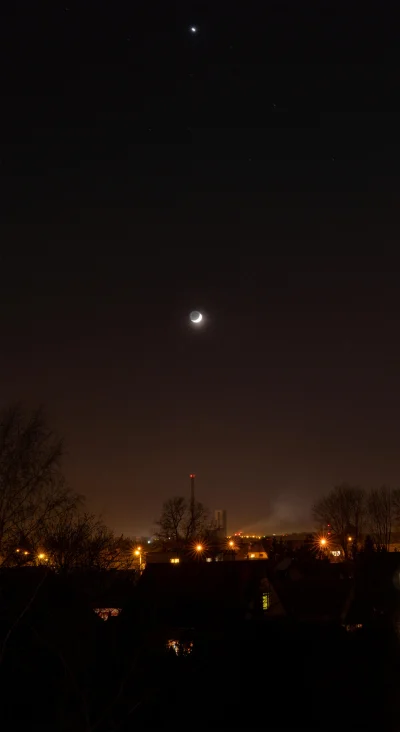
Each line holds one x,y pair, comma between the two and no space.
380,512
181,522
85,542
344,509
32,487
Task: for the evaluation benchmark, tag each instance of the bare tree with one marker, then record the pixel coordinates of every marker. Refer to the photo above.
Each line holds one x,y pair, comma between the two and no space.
172,520
380,516
344,509
196,521
395,507
181,522
85,542
32,488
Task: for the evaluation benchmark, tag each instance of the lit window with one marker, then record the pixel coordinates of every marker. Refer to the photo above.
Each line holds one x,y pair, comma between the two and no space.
266,600
335,553
175,560
252,556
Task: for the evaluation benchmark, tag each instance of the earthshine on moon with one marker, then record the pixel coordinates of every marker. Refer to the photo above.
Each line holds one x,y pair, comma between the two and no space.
195,316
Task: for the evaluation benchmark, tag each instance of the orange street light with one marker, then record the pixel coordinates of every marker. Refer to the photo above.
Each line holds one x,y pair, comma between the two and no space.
323,542
199,548
138,553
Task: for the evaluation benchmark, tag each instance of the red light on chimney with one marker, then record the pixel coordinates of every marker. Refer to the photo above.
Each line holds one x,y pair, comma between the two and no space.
192,475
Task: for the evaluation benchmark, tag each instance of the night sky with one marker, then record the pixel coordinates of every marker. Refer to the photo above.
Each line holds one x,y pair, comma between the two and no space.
248,170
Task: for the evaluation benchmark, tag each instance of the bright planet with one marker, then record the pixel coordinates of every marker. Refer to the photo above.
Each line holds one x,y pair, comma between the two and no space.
195,316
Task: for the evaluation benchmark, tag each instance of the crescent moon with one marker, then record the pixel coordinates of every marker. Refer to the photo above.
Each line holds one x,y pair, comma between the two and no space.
197,320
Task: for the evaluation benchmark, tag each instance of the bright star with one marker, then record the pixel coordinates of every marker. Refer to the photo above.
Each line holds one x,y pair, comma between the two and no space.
193,29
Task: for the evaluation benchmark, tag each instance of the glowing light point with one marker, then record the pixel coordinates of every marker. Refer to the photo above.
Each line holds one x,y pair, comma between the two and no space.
199,548
193,29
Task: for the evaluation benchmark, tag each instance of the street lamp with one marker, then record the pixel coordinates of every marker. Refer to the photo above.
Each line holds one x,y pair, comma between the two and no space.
138,553
232,548
199,548
323,543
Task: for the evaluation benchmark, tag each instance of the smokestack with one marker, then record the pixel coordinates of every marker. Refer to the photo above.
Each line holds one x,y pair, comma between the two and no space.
192,477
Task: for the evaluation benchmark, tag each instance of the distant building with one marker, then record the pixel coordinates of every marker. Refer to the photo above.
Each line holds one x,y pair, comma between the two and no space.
220,519
251,550
160,557
218,528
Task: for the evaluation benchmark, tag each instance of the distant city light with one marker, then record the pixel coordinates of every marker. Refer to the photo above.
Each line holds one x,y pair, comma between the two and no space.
174,560
181,648
26,553
149,541
107,612
352,628
350,538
